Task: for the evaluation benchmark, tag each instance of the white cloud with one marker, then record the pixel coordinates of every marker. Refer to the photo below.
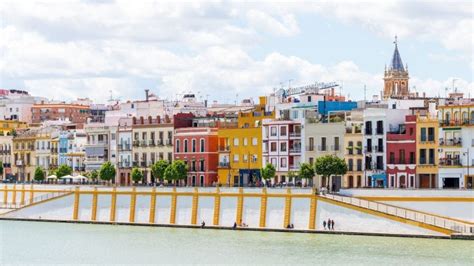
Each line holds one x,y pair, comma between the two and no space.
83,48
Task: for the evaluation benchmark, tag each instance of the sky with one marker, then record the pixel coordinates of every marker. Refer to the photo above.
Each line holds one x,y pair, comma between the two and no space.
230,50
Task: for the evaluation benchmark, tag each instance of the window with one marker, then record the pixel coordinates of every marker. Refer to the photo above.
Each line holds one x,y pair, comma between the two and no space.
323,144
245,141
273,131
350,165
422,156
368,128
193,143
254,141
236,158
283,131
311,144
412,157
431,134
283,162
431,156
336,143
283,146
273,161
245,158
236,141
359,164
411,131
423,134
392,158
273,147
402,156
254,158
311,160
185,145
379,127
201,165
201,145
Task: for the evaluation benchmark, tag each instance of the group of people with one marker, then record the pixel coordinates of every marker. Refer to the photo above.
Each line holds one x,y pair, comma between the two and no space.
329,223
290,226
241,224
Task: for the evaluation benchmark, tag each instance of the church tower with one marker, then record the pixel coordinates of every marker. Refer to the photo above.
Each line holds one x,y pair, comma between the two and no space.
396,77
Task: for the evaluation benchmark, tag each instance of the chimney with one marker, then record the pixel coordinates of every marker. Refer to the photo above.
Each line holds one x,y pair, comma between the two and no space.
147,94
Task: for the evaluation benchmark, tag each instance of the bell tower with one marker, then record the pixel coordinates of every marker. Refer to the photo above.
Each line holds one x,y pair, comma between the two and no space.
396,77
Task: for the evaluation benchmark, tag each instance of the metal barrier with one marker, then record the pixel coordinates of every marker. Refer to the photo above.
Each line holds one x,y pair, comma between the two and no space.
404,213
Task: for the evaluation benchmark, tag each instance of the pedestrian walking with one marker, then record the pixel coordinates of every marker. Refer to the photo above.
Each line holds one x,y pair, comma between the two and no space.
332,224
329,223
324,224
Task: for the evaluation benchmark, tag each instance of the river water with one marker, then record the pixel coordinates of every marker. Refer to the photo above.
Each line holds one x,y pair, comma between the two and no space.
58,243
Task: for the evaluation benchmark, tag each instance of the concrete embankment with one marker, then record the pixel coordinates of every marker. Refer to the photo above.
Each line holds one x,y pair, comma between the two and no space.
259,209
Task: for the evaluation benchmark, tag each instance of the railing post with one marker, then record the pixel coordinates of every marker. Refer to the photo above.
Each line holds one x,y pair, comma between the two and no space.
5,194
195,204
263,208
113,204
174,199
312,211
22,200
75,214
152,206
217,206
31,194
287,214
133,201
94,205
14,194
240,206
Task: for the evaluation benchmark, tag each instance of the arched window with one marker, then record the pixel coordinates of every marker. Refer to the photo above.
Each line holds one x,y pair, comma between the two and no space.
456,116
185,145
202,145
193,143
447,117
177,145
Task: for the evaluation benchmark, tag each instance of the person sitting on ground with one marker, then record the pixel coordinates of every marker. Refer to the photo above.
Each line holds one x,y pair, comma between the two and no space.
288,226
203,224
292,226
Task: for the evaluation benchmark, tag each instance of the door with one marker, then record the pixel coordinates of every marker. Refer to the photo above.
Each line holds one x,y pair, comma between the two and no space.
451,182
351,181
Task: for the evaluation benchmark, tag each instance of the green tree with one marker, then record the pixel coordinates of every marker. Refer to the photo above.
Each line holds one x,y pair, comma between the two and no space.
93,175
63,170
268,171
137,175
170,174
39,174
158,169
330,165
306,171
107,171
181,169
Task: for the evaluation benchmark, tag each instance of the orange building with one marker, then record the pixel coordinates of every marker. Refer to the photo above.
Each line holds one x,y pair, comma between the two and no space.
75,113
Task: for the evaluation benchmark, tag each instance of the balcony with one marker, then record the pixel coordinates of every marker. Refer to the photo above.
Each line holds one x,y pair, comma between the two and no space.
450,162
450,123
335,147
151,143
124,147
224,149
143,164
295,134
309,148
295,149
379,131
368,131
224,165
322,148
143,143
454,142
136,143
169,142
160,142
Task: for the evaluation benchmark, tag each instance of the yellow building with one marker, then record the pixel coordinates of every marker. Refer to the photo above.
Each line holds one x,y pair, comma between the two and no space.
24,163
240,148
7,126
426,151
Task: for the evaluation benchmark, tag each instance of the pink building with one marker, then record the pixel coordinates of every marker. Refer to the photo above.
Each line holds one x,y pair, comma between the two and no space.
401,154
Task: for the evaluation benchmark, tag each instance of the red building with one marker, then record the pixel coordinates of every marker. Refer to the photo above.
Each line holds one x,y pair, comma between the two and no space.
401,154
75,113
197,146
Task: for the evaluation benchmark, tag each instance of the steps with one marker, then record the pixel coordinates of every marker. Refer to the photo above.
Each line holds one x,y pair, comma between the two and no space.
421,219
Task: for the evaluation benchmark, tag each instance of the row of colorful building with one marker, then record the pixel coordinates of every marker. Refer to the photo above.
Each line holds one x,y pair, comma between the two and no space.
400,140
